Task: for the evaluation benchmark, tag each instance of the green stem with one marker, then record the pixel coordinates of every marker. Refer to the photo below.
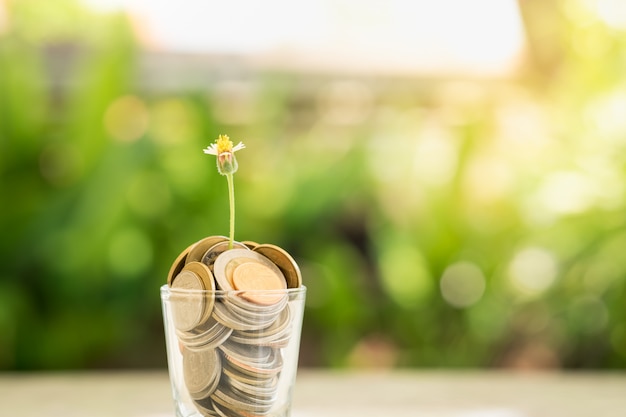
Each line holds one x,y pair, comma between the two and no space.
231,200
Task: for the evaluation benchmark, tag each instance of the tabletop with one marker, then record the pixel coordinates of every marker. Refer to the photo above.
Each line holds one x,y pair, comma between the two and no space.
333,393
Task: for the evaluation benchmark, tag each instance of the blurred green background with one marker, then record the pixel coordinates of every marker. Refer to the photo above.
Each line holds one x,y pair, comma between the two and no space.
438,221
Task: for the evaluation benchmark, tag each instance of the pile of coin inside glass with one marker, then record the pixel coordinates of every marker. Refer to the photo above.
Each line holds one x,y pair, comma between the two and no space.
231,344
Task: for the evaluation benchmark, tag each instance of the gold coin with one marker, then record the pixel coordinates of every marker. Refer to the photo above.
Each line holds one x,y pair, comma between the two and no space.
187,311
192,309
258,277
209,285
198,249
178,265
205,274
250,244
284,261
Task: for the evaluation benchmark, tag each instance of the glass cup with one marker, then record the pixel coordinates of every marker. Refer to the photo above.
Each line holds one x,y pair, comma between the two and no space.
232,353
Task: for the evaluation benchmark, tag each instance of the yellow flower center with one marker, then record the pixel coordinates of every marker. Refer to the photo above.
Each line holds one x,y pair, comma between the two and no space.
224,144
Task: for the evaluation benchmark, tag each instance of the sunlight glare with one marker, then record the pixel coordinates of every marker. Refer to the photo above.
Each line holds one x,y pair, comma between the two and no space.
483,37
532,271
613,13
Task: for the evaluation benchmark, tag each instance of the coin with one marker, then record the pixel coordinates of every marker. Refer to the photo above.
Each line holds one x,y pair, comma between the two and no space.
198,249
222,271
276,335
226,412
267,390
253,277
219,411
246,353
225,397
232,320
187,312
178,265
229,269
205,406
250,244
210,334
253,314
205,274
215,342
202,370
271,366
192,309
284,261
211,255
257,380
231,343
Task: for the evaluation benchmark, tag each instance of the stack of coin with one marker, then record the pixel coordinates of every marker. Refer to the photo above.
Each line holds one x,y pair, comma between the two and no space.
231,343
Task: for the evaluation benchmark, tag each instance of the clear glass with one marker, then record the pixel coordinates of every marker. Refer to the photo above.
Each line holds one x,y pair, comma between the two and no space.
232,353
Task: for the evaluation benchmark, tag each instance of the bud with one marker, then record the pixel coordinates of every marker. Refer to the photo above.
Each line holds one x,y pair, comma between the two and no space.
225,151
226,163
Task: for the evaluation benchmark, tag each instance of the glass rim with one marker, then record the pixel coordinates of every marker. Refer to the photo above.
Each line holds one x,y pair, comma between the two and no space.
167,290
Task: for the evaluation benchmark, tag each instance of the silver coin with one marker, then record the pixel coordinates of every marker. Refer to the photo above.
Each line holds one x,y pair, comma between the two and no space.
211,255
224,411
257,319
228,399
216,342
253,379
234,320
267,390
205,407
278,334
199,248
198,332
235,302
202,370
273,365
211,335
248,354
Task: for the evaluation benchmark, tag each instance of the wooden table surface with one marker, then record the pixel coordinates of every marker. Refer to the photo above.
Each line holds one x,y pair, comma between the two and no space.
333,394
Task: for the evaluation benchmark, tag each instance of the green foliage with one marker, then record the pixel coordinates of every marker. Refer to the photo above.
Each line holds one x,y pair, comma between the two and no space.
452,223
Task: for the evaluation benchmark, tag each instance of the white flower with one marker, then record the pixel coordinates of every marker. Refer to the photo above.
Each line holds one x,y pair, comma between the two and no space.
224,150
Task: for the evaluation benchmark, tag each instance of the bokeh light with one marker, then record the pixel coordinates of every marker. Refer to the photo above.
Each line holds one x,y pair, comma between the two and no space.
532,271
462,284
